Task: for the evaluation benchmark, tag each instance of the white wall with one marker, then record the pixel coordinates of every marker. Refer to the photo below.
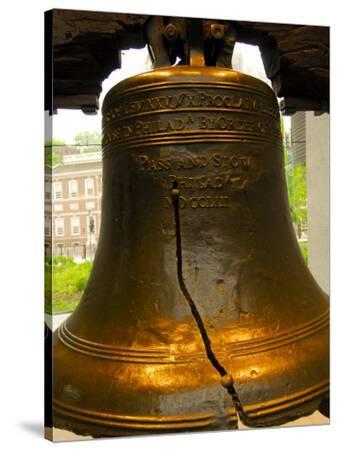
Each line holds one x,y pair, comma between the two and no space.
318,184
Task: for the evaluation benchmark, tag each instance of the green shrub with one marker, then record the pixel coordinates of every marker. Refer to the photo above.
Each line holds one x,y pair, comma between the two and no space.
65,282
63,261
48,260
304,250
81,284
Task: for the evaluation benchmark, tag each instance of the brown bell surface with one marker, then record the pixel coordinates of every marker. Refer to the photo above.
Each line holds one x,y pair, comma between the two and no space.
131,359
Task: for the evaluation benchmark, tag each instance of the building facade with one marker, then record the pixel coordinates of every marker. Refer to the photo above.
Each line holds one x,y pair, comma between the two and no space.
73,191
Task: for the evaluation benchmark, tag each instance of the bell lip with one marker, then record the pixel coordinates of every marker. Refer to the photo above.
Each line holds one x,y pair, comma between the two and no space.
162,74
283,410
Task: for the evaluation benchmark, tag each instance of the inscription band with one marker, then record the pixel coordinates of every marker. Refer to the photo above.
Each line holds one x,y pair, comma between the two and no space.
191,137
188,110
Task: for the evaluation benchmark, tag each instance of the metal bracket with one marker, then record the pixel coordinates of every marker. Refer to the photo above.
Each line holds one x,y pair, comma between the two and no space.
190,41
290,105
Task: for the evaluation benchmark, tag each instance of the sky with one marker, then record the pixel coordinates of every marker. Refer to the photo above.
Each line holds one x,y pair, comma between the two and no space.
68,123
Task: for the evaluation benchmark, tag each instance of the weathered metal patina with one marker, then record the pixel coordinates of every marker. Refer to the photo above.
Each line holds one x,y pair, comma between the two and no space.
131,358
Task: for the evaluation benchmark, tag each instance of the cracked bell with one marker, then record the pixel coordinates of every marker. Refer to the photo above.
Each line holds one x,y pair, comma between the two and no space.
130,359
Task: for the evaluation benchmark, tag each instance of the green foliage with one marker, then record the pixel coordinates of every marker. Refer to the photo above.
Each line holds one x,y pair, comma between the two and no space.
48,260
296,177
64,283
64,261
53,158
304,250
296,183
88,141
53,151
55,143
81,284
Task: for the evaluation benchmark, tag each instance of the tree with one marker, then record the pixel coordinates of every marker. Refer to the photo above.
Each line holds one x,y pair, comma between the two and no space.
53,151
297,194
88,141
296,183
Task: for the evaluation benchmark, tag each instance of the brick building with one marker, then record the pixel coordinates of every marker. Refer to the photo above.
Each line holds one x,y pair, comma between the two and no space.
73,190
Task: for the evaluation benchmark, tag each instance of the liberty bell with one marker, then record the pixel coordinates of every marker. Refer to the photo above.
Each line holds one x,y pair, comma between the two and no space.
199,310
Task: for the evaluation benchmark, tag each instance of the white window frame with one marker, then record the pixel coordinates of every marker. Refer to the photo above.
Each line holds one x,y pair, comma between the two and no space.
78,225
71,185
57,191
59,224
91,181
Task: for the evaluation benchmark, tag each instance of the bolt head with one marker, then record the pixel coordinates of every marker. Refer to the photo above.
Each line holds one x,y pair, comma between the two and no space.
171,32
175,193
227,381
217,31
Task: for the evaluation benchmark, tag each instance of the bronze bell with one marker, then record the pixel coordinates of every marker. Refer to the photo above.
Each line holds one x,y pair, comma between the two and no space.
194,208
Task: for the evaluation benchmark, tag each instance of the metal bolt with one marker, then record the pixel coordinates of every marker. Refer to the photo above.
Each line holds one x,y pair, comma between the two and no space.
217,31
171,32
175,193
227,381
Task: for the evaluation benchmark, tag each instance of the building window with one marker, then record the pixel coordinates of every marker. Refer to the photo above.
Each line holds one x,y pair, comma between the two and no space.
89,183
74,206
57,189
90,205
75,225
59,227
73,192
58,207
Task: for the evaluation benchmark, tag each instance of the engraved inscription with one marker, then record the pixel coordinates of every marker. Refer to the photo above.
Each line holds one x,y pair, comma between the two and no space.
224,172
205,201
235,182
200,112
217,160
172,116
188,162
223,123
141,128
198,99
